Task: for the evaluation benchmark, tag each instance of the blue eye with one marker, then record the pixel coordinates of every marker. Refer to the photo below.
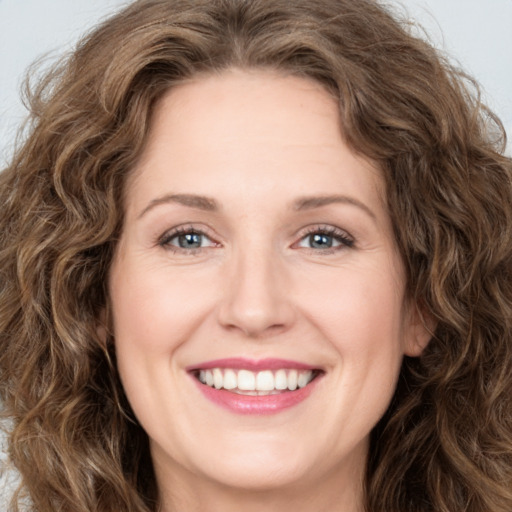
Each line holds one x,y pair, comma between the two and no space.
186,240
189,241
326,239
321,241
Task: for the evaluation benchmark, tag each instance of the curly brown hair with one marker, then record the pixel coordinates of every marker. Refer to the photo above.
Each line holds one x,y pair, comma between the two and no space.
445,443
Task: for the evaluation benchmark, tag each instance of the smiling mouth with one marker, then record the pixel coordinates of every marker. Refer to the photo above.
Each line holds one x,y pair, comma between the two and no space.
256,383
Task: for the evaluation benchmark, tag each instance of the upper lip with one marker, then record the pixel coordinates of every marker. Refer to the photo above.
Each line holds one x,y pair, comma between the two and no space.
241,363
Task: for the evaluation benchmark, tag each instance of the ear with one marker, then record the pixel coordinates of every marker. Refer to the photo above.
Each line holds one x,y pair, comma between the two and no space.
419,330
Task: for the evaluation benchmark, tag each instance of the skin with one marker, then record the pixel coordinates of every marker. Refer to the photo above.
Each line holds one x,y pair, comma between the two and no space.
256,142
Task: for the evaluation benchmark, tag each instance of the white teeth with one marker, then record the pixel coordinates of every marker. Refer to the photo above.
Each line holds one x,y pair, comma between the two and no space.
302,380
246,380
218,380
230,380
281,381
255,383
265,381
292,380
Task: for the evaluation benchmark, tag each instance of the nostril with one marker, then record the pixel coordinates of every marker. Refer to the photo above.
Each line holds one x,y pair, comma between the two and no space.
255,303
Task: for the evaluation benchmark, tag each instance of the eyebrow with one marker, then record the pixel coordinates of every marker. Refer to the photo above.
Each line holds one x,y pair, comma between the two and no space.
209,204
310,203
190,200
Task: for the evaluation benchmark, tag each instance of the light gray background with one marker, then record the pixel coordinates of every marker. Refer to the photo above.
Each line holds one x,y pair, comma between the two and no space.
476,33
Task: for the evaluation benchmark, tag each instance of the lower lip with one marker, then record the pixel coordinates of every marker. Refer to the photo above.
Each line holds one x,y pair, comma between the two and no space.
264,404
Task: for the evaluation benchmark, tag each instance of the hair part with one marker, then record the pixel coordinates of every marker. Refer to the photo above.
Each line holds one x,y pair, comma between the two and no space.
445,443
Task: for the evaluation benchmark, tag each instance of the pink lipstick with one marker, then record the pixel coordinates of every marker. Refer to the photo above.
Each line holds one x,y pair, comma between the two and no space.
255,387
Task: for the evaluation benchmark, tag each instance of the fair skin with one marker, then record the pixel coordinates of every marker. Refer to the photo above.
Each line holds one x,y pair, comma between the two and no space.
288,254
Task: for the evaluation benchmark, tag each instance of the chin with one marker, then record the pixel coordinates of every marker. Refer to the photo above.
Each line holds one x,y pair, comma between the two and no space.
260,464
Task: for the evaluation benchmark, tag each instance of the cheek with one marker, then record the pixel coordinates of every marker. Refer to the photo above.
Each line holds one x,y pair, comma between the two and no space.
362,322
356,303
154,310
361,317
154,313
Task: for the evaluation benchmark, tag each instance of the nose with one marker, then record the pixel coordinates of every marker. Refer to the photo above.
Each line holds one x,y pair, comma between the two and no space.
256,297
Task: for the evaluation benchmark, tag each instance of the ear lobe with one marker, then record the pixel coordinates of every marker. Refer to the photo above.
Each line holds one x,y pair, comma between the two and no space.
420,331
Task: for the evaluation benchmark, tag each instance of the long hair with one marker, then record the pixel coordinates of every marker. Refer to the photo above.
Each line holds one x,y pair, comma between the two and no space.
445,444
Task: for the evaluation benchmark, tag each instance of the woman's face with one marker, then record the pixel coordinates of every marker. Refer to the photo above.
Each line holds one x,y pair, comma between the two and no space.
257,253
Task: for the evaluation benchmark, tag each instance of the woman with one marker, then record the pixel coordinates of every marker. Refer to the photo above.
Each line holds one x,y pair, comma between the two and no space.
256,255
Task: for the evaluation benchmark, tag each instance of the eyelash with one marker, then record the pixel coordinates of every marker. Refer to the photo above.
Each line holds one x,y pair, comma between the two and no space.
165,240
344,240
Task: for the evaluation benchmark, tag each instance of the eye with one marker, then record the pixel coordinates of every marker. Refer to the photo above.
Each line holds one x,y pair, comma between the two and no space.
185,240
326,239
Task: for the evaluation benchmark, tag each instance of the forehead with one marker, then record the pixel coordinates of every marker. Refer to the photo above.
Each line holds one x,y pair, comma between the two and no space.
250,130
